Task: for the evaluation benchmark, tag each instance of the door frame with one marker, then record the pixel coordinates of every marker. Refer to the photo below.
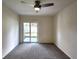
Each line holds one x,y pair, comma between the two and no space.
30,32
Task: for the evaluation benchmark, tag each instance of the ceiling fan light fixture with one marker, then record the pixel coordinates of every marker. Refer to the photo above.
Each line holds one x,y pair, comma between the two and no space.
37,9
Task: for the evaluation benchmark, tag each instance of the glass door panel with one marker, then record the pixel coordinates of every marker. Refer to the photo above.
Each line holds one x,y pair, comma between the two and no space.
27,39
33,32
26,32
33,39
26,27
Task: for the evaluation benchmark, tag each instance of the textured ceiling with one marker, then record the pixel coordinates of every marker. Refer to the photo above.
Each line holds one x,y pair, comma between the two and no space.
26,9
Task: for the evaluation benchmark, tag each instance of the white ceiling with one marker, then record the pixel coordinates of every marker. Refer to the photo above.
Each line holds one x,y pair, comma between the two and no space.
25,9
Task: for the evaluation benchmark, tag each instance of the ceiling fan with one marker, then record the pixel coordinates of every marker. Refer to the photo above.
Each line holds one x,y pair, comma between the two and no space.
37,6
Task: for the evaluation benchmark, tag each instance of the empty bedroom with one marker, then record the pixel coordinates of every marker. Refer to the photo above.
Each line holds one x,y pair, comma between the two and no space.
39,29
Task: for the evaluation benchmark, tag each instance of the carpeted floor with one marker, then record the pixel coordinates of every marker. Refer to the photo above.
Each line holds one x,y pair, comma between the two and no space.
36,51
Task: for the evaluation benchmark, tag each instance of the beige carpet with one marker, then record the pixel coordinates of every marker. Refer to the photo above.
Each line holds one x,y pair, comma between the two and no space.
36,51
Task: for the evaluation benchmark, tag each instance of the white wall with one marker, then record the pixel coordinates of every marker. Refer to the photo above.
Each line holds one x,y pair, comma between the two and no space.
45,27
67,30
10,30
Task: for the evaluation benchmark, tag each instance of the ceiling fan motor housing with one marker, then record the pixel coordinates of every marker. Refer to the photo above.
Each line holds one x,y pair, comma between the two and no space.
37,4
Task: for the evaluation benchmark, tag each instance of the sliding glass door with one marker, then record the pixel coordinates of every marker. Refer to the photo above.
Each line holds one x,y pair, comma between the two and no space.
30,32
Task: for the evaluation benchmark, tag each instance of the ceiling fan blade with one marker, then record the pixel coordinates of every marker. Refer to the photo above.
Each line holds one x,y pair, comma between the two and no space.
26,3
47,5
